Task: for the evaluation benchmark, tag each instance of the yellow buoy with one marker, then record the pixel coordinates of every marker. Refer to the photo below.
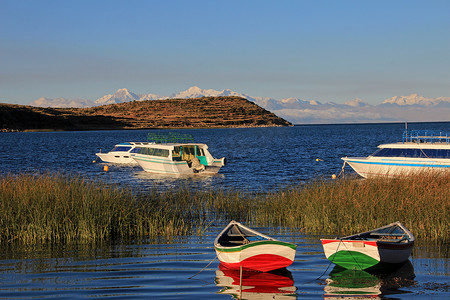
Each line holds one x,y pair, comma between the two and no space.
106,168
333,176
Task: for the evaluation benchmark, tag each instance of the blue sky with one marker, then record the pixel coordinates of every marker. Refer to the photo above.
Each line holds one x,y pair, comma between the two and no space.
314,50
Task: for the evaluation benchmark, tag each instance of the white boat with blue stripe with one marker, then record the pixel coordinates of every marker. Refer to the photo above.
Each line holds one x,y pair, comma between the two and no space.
176,154
419,151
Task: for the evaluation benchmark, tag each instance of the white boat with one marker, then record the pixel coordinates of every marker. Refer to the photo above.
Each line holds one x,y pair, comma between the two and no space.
390,244
175,154
121,153
420,150
238,246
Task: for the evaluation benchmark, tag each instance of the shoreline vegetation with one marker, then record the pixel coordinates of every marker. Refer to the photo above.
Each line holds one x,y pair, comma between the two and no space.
58,208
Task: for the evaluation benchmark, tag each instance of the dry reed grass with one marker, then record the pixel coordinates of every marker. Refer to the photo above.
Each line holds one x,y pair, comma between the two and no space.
352,205
57,208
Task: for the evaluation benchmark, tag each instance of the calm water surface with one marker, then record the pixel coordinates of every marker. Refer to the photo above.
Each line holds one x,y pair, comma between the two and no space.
259,159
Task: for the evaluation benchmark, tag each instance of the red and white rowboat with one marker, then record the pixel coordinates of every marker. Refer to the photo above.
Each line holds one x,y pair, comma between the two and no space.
239,246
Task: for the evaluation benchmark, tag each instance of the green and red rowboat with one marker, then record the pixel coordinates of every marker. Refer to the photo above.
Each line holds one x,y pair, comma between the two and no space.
239,246
390,244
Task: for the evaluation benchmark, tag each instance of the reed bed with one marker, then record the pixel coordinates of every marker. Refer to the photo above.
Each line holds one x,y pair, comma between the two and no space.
58,208
352,205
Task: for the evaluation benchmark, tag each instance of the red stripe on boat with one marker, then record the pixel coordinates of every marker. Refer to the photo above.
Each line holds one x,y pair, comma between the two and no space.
328,241
262,263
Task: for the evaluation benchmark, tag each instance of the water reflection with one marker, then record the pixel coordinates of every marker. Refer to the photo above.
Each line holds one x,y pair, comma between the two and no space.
167,181
277,284
370,282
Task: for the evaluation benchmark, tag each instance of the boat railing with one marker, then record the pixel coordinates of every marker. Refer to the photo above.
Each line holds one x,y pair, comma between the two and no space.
426,136
386,233
171,137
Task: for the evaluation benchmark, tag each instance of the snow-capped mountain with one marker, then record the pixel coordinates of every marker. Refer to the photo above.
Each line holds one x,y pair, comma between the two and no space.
150,97
196,92
61,102
297,111
415,99
122,95
356,103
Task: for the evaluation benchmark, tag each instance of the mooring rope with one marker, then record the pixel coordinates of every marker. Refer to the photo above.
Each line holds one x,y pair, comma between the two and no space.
356,261
331,261
203,268
342,170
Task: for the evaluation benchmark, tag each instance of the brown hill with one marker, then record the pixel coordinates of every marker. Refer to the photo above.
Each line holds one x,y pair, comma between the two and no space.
174,113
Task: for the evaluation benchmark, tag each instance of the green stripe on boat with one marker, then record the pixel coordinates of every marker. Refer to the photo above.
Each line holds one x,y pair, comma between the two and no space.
353,260
253,244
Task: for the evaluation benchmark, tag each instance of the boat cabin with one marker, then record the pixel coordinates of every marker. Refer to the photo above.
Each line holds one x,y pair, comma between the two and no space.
418,144
125,147
390,151
121,148
177,152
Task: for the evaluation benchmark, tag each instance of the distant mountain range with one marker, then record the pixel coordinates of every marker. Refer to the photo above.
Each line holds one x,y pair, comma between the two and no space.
412,108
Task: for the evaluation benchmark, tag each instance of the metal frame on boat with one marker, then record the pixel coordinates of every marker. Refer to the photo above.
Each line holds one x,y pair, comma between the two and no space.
390,244
238,246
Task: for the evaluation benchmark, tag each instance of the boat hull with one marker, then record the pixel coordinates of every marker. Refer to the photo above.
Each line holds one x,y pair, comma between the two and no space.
361,255
166,166
116,157
260,256
372,167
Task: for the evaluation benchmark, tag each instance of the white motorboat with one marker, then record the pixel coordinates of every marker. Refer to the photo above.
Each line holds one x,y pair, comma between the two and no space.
175,154
121,153
420,150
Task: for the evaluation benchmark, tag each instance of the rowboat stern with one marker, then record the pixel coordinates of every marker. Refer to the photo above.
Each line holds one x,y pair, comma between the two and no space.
358,255
238,246
262,256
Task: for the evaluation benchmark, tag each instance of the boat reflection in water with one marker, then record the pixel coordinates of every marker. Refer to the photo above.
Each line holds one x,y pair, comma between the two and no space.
369,283
256,285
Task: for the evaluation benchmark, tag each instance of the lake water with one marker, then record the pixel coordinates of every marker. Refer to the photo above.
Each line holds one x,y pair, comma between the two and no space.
258,159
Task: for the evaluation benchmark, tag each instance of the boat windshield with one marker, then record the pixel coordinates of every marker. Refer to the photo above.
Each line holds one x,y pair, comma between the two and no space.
154,151
121,148
416,153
